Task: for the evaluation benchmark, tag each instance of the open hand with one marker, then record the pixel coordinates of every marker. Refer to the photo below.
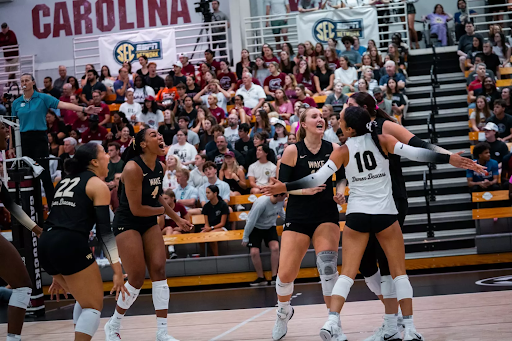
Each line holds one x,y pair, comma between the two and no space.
339,198
185,225
119,287
459,161
274,187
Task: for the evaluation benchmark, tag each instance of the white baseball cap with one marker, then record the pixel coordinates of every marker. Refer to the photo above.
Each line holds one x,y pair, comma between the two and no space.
182,55
178,63
491,126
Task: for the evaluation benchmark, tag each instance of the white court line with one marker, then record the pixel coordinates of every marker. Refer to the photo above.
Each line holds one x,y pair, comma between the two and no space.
241,324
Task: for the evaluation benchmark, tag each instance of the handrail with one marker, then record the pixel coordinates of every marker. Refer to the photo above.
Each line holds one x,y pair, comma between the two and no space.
427,191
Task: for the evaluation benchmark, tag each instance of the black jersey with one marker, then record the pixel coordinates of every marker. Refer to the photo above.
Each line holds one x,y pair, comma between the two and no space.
151,191
395,169
311,209
71,208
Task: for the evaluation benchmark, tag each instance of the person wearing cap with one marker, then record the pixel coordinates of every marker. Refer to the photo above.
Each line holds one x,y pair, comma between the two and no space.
95,132
177,74
122,84
280,137
502,120
217,155
488,181
498,148
183,150
261,171
131,109
381,100
8,38
187,68
168,96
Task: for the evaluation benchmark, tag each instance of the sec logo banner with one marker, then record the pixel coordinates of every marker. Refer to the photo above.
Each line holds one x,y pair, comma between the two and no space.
324,29
127,51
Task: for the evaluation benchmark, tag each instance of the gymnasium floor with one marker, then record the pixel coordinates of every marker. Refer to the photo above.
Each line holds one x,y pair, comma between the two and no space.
448,307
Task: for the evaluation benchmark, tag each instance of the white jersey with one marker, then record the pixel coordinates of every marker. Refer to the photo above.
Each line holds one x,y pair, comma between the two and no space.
369,179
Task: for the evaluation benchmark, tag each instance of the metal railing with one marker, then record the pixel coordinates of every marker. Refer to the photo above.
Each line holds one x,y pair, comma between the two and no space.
484,18
258,30
11,68
191,39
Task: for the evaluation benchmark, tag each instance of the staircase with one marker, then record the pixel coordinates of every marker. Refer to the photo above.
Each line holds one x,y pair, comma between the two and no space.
451,217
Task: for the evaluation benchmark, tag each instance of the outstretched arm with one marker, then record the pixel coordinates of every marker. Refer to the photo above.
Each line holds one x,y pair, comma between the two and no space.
16,210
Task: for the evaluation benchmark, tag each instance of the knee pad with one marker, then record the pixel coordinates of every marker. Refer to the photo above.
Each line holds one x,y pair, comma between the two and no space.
161,295
88,322
327,264
373,283
20,297
342,287
128,300
388,287
283,289
403,287
77,311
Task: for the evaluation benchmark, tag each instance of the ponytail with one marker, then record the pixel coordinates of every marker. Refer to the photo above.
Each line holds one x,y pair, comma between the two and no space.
82,159
359,119
134,149
215,190
364,99
372,129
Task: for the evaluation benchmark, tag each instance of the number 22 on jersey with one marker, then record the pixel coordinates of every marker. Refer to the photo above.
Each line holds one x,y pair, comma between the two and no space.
65,190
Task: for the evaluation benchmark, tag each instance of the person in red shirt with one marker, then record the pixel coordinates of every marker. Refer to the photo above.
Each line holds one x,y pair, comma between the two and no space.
480,76
104,114
188,69
209,55
8,38
168,225
68,116
226,78
275,80
168,96
95,132
82,122
301,96
268,55
215,110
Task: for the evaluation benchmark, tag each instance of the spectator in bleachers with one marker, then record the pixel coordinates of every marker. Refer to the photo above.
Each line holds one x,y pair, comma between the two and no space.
267,52
215,213
54,125
125,139
337,99
353,56
269,109
305,76
505,95
143,71
502,49
131,108
498,149
502,120
286,65
488,181
278,8
151,115
302,96
83,80
262,170
274,81
244,144
107,79
283,105
261,227
81,124
115,164
167,97
319,50
217,112
128,66
280,138
366,62
357,47
367,75
290,83
153,80
394,55
438,24
488,90
8,38
330,133
69,151
375,57
197,176
397,99
55,148
104,114
213,89
477,82
323,78
473,75
95,132
231,132
331,58
227,79
186,193
173,164
207,135
210,170
204,70
169,226
309,5
233,174
402,47
258,140
288,48
119,123
301,53
491,60
383,103
177,74
244,62
68,116
49,89
75,86
461,17
244,114
262,124
260,71
253,95
480,115
76,135
63,78
203,113
221,149
247,70
92,85
121,86
213,64
347,74
363,86
184,150
187,68
191,88
466,44
192,137
391,72
185,107
333,44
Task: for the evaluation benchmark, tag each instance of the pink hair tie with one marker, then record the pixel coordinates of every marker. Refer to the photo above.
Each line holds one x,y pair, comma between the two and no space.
376,107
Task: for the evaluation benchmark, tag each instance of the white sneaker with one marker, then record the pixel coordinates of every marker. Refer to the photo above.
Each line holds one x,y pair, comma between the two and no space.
162,335
331,331
281,325
377,336
395,337
111,332
412,335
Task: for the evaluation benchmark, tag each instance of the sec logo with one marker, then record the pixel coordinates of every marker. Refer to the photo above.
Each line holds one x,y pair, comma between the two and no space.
124,52
324,30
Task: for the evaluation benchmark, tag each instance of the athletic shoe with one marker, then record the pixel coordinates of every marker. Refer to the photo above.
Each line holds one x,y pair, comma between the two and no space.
259,282
240,208
395,337
412,335
162,335
377,336
331,331
173,255
273,280
281,325
111,332
400,323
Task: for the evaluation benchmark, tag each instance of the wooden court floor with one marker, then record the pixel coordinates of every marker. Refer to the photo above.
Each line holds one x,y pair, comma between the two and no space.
465,317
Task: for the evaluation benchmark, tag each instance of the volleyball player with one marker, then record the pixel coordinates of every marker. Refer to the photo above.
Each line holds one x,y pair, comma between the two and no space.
12,268
311,216
138,234
370,210
81,200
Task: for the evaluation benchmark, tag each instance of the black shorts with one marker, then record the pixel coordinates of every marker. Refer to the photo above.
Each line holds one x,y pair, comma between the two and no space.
258,235
370,223
64,252
307,229
123,222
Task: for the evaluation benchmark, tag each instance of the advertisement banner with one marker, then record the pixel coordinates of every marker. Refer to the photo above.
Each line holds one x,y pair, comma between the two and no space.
319,26
158,45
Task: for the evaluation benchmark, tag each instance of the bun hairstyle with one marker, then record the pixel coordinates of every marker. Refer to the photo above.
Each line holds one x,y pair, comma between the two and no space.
82,159
359,119
215,190
134,149
364,99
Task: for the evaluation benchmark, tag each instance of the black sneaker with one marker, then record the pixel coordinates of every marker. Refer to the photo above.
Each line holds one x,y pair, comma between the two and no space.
259,282
273,280
173,255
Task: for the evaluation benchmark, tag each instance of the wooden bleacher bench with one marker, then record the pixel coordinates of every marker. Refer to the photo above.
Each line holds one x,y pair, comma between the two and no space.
505,71
110,98
490,196
114,107
473,136
243,199
503,83
320,99
491,213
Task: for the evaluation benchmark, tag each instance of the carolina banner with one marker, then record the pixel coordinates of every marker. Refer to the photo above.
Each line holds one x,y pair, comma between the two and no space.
158,45
319,26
